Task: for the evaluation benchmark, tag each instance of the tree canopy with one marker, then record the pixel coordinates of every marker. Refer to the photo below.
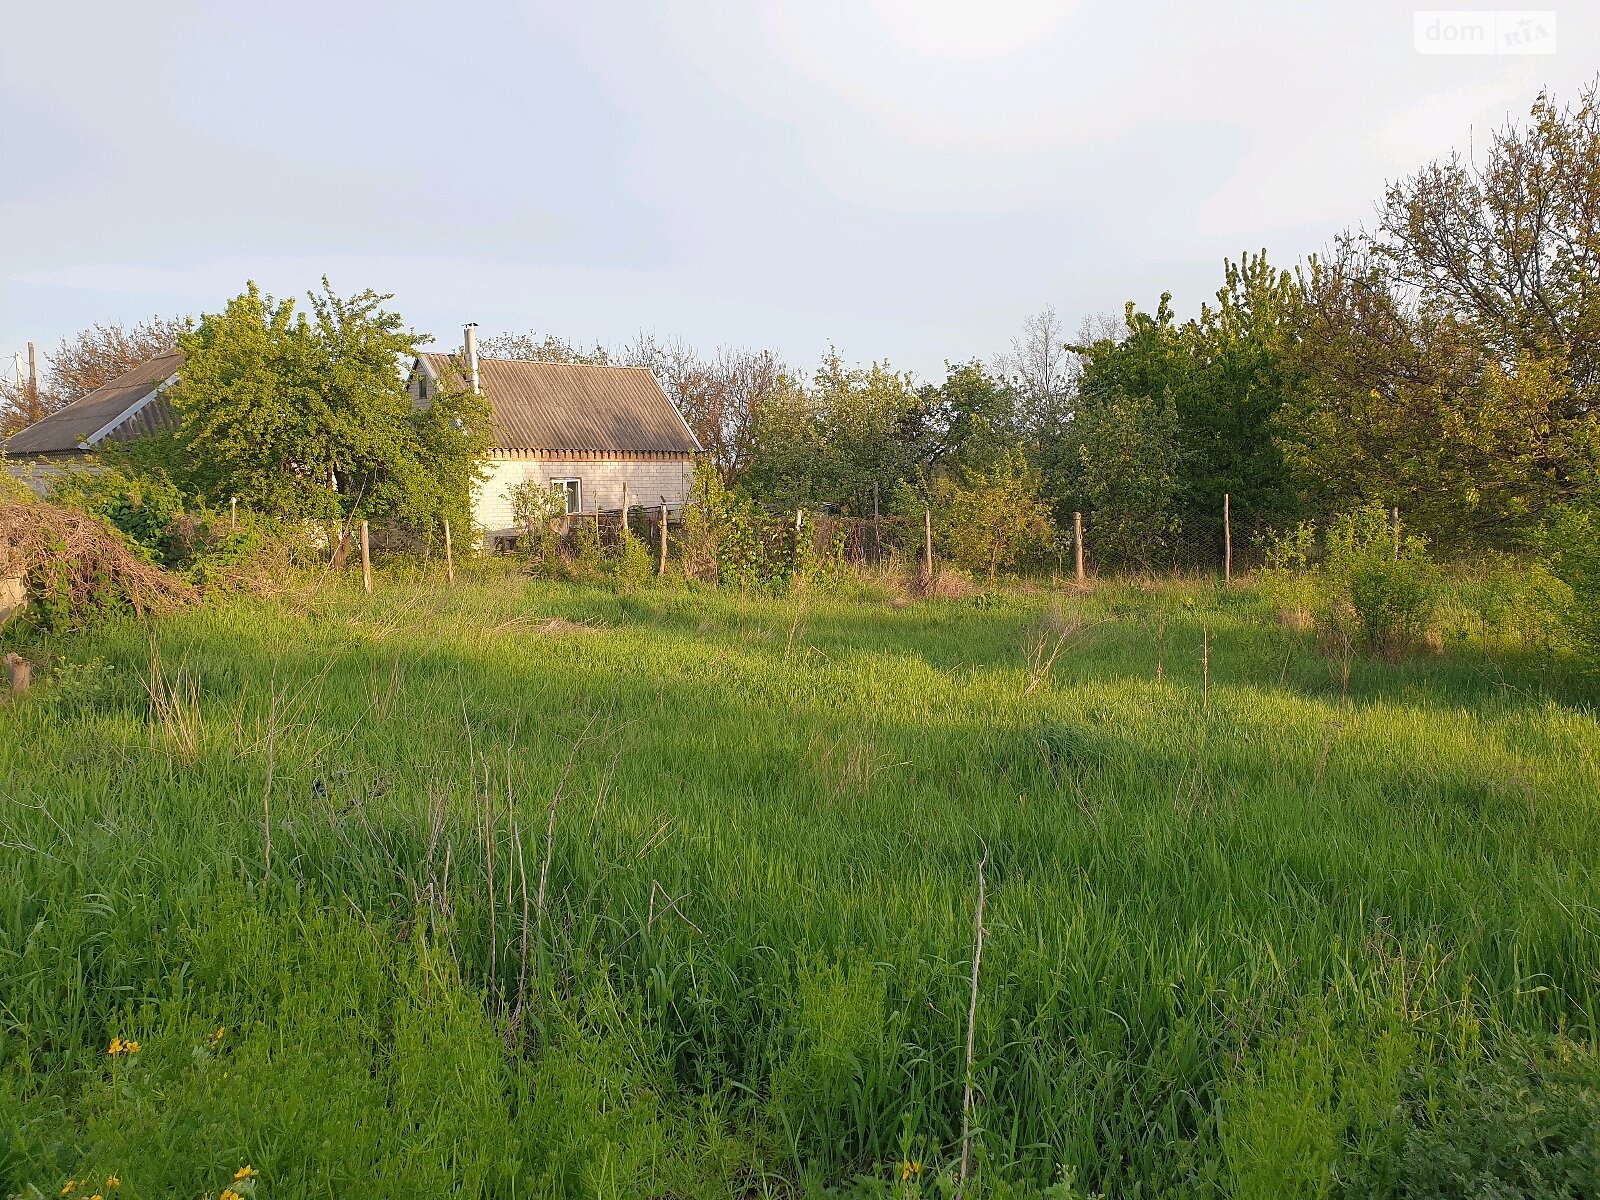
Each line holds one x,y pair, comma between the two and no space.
307,415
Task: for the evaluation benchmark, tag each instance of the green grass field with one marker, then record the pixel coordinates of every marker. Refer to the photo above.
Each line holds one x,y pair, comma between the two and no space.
678,900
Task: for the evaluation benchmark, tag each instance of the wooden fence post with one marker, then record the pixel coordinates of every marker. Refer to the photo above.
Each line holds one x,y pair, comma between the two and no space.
449,556
1227,539
233,512
624,506
927,543
366,561
663,569
1077,543
1396,522
877,528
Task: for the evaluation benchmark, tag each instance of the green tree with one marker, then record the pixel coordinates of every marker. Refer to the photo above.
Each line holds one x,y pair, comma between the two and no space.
1240,377
307,416
1405,401
1227,376
828,444
1509,244
971,418
1451,359
1128,461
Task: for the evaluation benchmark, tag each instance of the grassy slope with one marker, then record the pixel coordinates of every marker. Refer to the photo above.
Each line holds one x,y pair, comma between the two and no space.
1216,938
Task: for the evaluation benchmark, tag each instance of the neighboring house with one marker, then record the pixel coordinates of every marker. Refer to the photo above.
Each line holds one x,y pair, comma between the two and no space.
130,406
586,431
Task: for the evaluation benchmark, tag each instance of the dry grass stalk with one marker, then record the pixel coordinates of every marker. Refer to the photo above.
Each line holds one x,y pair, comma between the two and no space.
272,764
175,706
972,1031
1045,641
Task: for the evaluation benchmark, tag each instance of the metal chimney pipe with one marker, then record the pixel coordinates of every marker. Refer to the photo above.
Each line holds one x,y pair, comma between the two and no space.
470,333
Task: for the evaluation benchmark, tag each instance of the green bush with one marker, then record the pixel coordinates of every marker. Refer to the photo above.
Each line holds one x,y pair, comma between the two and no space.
144,507
631,564
995,519
1288,581
586,556
727,539
1525,1123
1382,582
1571,545
539,513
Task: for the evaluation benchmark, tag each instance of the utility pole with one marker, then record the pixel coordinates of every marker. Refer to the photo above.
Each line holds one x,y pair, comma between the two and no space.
33,386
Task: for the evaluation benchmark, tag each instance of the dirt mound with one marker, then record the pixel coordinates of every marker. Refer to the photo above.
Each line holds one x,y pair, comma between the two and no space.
65,557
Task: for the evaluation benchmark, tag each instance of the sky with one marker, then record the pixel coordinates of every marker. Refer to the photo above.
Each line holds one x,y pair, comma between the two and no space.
906,180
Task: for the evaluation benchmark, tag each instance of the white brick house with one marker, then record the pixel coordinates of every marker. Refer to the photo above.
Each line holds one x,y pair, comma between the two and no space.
588,431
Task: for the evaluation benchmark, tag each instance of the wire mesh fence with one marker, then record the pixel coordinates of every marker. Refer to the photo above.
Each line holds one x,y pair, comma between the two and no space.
1112,545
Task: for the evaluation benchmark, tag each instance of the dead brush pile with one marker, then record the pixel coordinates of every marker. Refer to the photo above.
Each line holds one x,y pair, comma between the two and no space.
74,565
946,583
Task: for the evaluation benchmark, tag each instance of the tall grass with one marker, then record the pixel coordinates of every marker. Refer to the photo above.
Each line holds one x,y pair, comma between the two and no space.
574,893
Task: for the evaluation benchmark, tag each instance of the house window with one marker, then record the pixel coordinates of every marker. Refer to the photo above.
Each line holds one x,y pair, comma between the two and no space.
572,489
422,387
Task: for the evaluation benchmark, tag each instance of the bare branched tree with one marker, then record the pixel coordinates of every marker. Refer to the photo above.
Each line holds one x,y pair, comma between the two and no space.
530,347
1043,370
719,397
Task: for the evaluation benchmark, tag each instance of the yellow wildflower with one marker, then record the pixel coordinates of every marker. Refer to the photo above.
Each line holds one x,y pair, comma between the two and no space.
97,1196
68,1186
114,1048
216,1038
245,1172
113,1182
229,1194
908,1169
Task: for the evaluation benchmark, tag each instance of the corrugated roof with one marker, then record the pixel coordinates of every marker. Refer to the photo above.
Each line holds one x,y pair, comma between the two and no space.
67,430
572,407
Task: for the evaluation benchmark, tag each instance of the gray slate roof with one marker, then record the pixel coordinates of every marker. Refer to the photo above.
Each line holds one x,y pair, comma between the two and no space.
572,407
69,430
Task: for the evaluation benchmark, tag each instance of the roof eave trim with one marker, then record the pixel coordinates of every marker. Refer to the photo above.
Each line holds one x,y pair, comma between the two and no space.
127,414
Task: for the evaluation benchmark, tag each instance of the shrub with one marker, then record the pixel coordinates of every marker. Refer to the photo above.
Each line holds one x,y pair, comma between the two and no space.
538,511
631,564
1571,546
699,538
1381,581
727,539
1287,581
143,506
988,520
